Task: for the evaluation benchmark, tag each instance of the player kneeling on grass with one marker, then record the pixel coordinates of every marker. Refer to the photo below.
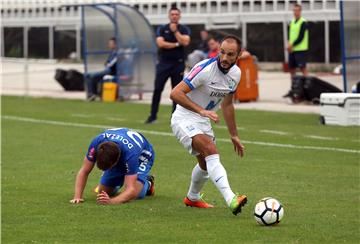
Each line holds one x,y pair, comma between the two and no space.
209,83
126,157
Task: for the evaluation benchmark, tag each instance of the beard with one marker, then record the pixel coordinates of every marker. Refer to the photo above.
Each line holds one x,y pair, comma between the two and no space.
226,63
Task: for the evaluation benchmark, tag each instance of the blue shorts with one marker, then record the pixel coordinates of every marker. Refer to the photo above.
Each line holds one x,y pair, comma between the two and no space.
297,59
115,178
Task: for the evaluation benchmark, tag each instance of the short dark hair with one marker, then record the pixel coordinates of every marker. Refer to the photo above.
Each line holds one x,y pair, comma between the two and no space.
235,38
212,38
113,39
173,7
296,5
107,155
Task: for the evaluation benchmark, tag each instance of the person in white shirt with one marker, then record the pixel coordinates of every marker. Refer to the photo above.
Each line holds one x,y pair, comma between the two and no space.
210,83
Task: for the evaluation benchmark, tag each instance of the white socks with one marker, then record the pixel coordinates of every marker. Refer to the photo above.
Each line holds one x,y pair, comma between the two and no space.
198,179
218,176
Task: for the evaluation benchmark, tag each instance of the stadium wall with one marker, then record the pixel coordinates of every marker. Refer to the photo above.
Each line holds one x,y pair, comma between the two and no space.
261,24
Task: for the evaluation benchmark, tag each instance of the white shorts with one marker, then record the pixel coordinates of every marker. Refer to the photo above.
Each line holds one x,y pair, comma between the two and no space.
185,128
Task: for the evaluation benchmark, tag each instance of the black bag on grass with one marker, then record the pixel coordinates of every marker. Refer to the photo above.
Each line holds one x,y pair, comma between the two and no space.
71,80
309,89
296,92
76,80
313,87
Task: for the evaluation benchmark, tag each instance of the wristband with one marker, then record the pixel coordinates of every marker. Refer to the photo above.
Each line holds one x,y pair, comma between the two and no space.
177,44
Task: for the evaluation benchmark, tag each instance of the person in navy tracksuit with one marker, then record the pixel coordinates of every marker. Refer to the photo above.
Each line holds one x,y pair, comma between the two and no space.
171,40
93,78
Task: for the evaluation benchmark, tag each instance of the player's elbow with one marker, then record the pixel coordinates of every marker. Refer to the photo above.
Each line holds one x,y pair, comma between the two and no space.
173,95
133,194
176,95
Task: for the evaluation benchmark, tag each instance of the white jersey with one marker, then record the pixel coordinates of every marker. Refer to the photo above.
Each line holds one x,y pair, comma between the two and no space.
209,85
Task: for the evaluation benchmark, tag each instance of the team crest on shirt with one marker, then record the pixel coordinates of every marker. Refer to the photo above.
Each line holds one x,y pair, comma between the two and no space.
231,83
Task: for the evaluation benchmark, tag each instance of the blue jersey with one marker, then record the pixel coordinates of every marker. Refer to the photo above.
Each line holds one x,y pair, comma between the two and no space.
135,149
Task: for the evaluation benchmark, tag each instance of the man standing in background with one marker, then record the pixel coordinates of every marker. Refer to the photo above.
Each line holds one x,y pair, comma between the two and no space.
298,44
171,40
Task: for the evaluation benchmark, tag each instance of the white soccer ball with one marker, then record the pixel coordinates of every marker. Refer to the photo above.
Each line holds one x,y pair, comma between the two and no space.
268,211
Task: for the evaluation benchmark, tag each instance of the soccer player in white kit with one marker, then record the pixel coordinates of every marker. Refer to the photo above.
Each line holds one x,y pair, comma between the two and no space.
210,83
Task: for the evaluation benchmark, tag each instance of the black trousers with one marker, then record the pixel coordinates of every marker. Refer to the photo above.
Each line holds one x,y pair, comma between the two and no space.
164,71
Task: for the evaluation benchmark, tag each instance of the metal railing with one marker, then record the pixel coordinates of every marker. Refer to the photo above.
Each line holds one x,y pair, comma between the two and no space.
193,11
215,14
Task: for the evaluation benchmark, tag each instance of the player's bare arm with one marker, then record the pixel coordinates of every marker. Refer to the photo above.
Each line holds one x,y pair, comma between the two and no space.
81,180
132,189
178,95
228,111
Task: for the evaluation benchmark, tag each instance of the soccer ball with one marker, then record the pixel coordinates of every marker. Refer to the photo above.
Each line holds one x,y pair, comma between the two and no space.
268,211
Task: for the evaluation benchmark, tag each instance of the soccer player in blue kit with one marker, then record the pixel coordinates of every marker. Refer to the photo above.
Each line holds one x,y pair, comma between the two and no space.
126,157
210,83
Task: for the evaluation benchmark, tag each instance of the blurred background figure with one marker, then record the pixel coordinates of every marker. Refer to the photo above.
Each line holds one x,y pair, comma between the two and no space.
171,40
298,44
214,47
94,78
204,36
200,53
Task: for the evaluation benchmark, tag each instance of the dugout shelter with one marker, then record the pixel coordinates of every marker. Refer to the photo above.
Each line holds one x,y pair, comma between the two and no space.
135,41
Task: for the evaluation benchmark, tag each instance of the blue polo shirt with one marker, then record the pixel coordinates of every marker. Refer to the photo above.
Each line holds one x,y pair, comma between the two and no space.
173,54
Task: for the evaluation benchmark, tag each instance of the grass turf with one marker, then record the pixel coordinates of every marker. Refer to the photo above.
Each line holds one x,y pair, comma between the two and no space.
319,188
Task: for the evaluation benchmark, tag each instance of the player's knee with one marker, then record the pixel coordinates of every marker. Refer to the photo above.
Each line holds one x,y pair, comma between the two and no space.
209,149
202,165
108,190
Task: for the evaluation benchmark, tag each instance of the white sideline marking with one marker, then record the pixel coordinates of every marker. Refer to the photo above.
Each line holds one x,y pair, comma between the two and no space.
114,119
270,144
275,132
82,115
225,127
92,116
321,137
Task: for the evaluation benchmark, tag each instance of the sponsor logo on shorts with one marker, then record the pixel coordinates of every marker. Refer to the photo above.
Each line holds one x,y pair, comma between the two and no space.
190,128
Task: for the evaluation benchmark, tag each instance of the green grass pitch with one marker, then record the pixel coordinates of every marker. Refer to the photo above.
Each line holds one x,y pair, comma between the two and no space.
44,142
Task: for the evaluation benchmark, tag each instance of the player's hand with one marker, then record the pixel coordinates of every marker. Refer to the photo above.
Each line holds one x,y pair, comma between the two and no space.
103,198
77,200
173,27
238,147
210,114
